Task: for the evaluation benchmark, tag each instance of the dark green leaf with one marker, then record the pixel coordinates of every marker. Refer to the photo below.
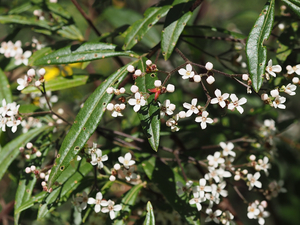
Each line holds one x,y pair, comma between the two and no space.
60,83
58,9
19,9
176,20
150,219
38,54
5,92
164,178
137,30
82,53
256,52
148,166
22,20
11,150
150,113
85,123
127,202
71,32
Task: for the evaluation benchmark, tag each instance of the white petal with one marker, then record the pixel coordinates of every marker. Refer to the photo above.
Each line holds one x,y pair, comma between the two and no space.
121,159
203,125
276,68
117,207
97,208
91,201
187,105
240,109
218,93
182,72
105,210
132,101
233,97
136,108
242,101
222,104
189,67
194,101
214,101
112,214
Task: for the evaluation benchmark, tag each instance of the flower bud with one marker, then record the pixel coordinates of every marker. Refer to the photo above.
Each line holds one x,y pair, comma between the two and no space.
43,183
170,88
130,68
197,78
32,168
31,72
110,106
210,79
157,83
252,157
148,62
181,114
38,154
27,170
37,83
295,80
42,176
134,89
138,73
122,90
274,93
209,66
112,178
245,77
42,71
110,90
122,106
264,97
117,166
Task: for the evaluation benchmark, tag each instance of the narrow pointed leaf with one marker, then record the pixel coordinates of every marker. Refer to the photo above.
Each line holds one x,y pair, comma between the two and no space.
60,83
71,32
85,124
150,113
127,203
11,150
255,51
138,29
5,92
22,20
150,219
176,20
293,5
81,53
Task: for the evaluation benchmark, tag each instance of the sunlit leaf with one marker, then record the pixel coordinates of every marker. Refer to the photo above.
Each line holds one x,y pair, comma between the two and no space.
81,53
150,219
256,52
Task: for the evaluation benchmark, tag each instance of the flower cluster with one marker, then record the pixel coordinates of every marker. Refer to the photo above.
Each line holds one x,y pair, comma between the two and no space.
256,210
33,77
9,116
14,50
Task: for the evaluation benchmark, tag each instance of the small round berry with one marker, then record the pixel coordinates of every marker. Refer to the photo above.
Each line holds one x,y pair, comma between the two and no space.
148,62
130,68
170,88
295,80
157,83
110,90
138,73
210,80
122,90
134,89
110,106
245,77
197,78
42,71
31,72
209,66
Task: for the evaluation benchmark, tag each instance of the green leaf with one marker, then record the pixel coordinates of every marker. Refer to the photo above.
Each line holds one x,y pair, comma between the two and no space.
176,20
127,202
11,150
38,54
19,9
60,83
150,219
85,123
81,53
255,51
294,5
148,166
150,113
22,20
58,9
71,32
5,92
138,29
164,178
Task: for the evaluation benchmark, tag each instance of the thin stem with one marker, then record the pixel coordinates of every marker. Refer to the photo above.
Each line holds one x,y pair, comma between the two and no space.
176,152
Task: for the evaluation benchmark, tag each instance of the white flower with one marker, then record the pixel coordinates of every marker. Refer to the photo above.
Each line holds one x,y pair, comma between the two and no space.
181,188
117,110
82,200
197,200
236,103
294,69
5,107
215,160
98,202
16,49
274,93
137,101
23,58
14,109
263,164
111,208
278,102
22,83
273,69
220,98
129,174
13,123
203,119
192,108
166,108
262,214
173,122
290,89
253,180
97,158
227,149
3,121
219,189
126,161
227,218
186,73
213,215
253,211
202,188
